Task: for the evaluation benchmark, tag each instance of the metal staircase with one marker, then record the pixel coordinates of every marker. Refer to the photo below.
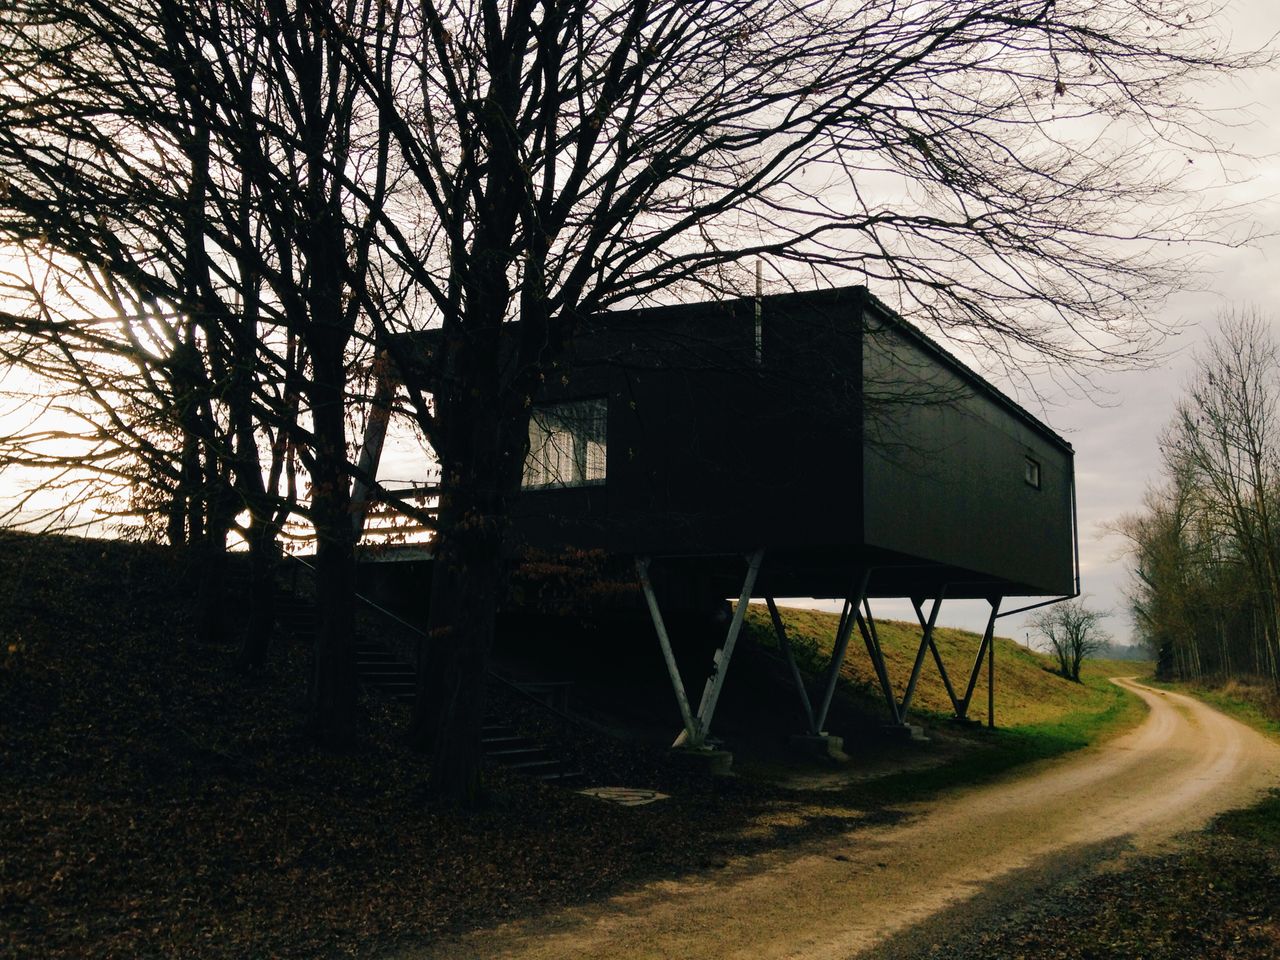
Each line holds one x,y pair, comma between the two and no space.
381,670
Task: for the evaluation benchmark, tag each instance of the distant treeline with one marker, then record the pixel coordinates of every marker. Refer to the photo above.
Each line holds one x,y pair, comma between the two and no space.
1121,651
1206,558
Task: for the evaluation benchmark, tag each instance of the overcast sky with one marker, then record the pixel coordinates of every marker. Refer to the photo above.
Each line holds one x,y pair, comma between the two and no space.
1116,439
1114,428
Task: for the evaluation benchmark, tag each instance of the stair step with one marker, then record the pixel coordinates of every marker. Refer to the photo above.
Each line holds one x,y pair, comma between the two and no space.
397,691
525,751
530,766
511,740
377,666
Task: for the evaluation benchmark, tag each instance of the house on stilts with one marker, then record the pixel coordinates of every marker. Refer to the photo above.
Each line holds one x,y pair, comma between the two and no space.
799,445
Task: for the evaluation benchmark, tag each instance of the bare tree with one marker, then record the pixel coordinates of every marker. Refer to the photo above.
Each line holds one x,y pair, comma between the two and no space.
1205,546
182,152
572,158
1071,632
996,167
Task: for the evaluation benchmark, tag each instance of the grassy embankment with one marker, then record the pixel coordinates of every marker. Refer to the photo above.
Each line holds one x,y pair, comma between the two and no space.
1039,714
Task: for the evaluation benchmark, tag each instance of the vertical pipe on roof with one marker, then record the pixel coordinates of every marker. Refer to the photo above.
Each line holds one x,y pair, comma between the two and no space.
759,324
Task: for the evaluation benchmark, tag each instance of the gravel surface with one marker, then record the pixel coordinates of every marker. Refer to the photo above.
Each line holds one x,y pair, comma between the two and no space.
996,847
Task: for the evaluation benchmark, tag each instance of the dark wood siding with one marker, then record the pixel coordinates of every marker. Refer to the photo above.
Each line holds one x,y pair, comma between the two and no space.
945,476
848,439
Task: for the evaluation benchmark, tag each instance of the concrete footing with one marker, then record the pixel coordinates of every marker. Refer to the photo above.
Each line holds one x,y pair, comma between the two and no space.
704,760
904,731
822,746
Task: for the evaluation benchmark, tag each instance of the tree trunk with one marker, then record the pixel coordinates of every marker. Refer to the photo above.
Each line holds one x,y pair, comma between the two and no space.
263,558
211,587
454,667
331,717
212,584
478,483
331,714
176,524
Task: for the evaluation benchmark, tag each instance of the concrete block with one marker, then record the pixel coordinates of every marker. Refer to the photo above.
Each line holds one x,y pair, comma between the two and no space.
703,760
822,746
904,731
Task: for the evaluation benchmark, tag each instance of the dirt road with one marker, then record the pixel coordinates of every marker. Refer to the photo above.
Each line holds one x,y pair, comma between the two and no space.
1185,763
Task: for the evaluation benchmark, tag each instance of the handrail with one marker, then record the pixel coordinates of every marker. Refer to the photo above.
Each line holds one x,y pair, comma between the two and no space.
493,674
361,597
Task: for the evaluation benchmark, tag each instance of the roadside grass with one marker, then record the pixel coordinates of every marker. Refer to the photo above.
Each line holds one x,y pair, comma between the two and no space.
1252,702
1028,690
1104,710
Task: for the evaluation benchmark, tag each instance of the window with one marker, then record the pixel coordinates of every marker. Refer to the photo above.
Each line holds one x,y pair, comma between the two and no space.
566,444
1031,473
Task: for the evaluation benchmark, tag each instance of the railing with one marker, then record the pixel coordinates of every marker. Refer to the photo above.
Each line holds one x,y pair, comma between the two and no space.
489,671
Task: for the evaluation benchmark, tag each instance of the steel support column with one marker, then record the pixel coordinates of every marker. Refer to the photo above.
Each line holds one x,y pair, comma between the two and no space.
842,644
867,626
720,667
697,726
987,642
642,571
991,683
926,641
785,646
937,659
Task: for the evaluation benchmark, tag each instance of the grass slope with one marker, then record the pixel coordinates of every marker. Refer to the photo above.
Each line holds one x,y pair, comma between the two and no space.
1039,713
152,803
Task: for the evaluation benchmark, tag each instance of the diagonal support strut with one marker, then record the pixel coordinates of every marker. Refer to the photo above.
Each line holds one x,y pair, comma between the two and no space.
987,641
696,726
847,618
642,571
715,682
937,659
785,646
867,626
926,641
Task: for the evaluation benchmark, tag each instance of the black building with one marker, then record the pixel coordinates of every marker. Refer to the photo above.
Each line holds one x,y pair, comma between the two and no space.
814,442
816,425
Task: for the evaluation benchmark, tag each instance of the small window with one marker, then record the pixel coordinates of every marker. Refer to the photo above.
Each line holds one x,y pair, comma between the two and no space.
1031,473
566,444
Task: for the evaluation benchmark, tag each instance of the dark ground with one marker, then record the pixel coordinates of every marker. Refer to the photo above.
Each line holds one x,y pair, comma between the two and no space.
152,803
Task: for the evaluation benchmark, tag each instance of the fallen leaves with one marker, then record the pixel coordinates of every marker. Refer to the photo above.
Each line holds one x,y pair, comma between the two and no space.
154,803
